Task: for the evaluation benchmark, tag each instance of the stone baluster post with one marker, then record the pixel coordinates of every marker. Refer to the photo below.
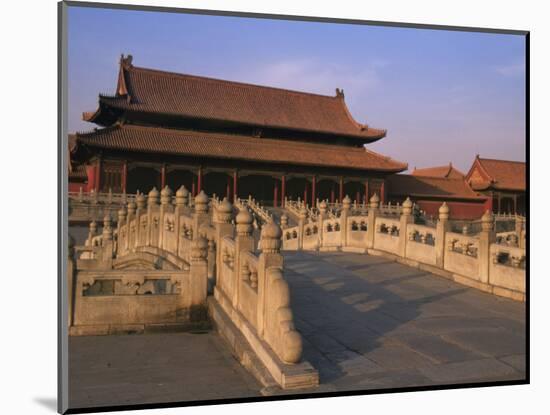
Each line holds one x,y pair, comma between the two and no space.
321,221
121,239
91,233
140,211
179,210
224,227
270,258
131,216
107,234
374,204
211,258
152,211
165,207
284,221
201,212
346,205
521,236
404,220
198,274
244,242
518,226
442,227
487,236
71,283
302,215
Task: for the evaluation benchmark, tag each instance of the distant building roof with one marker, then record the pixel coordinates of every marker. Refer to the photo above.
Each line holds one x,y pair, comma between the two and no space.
488,174
149,91
440,171
229,146
432,187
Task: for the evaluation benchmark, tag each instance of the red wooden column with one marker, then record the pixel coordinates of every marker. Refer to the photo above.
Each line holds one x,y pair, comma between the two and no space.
357,196
367,191
341,189
332,195
305,193
275,193
193,189
283,195
124,179
228,188
383,192
91,173
313,193
235,184
98,175
199,180
162,176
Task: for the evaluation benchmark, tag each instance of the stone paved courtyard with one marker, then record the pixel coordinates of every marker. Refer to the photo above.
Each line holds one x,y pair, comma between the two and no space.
370,323
367,323
153,368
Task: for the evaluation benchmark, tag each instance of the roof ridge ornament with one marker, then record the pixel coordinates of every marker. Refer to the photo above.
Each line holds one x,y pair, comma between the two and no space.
122,89
126,61
339,93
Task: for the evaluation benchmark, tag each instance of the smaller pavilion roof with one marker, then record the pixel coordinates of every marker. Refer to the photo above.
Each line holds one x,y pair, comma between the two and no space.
432,187
439,171
497,174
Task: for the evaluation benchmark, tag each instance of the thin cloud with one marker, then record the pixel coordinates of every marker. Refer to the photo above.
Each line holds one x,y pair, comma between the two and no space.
310,75
515,69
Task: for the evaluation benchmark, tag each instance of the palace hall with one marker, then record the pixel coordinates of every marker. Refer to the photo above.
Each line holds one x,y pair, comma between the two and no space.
226,138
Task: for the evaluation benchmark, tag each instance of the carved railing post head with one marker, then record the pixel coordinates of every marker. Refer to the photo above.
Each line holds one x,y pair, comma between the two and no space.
244,222
444,211
271,238
374,201
166,196
465,230
284,221
323,207
153,198
224,211
107,228
407,207
199,249
93,229
487,221
182,196
302,213
140,201
121,215
346,203
201,203
132,208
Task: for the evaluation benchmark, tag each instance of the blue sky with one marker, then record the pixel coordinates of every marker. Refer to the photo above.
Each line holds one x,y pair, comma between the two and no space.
443,96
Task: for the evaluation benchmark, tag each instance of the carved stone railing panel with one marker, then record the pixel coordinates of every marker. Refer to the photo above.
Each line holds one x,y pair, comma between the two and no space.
462,244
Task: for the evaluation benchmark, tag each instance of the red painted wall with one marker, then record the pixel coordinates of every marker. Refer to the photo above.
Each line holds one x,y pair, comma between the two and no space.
75,186
457,210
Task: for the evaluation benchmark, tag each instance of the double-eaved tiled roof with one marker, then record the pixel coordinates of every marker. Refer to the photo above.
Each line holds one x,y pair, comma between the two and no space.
433,187
158,140
149,91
